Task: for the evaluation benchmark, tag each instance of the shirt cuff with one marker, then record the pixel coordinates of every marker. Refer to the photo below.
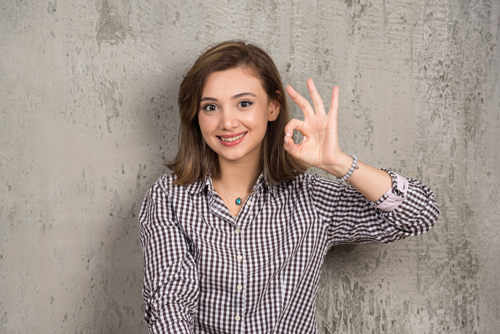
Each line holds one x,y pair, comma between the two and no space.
394,196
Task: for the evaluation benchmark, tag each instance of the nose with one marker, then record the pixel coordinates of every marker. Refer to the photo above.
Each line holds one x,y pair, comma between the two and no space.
229,119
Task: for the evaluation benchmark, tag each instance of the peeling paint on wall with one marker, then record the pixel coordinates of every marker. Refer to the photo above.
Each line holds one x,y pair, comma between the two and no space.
108,100
113,24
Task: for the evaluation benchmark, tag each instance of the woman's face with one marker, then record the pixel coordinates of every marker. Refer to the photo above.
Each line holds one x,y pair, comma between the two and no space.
234,112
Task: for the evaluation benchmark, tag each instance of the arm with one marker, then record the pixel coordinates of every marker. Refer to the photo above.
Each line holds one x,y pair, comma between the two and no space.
408,209
170,275
368,180
355,217
320,147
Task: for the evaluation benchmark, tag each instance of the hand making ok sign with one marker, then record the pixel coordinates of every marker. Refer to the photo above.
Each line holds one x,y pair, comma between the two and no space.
320,146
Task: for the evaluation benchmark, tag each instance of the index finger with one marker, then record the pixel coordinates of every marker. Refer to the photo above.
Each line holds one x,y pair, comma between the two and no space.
301,102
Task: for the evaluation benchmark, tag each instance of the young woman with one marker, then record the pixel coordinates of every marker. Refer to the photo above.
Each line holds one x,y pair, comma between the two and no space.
234,237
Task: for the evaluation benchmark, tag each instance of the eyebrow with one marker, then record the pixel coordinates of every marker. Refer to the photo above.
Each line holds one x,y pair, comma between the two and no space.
237,96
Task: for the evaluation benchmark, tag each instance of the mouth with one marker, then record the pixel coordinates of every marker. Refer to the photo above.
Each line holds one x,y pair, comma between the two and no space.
232,140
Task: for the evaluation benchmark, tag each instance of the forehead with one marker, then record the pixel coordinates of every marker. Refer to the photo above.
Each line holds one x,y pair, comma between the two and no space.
231,82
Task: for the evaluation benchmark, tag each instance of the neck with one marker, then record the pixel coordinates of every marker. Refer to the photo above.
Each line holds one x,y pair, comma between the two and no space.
238,178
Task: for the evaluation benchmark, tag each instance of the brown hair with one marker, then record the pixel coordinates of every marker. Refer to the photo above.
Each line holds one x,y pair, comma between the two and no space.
195,158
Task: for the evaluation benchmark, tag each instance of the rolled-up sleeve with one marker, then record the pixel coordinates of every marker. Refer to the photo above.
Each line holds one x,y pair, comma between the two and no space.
352,218
171,289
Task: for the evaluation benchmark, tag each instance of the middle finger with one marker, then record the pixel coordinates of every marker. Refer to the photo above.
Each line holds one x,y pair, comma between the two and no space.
316,98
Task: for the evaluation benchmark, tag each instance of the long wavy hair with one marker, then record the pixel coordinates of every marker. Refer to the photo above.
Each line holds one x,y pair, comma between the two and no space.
195,158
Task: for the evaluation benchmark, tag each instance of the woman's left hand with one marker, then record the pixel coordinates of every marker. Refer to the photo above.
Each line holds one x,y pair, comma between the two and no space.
320,147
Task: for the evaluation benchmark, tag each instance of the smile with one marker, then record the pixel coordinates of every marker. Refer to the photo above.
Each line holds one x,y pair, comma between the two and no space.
231,141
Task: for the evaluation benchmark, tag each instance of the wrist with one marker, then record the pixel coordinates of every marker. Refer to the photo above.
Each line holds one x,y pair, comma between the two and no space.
340,167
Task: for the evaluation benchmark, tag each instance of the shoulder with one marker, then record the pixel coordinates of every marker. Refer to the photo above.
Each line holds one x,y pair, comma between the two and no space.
157,205
165,186
164,183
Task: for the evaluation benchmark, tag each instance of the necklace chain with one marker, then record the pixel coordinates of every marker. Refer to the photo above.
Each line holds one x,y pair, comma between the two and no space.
227,192
231,212
238,200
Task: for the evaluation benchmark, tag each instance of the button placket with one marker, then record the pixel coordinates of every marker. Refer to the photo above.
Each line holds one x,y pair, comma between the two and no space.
238,316
245,216
246,213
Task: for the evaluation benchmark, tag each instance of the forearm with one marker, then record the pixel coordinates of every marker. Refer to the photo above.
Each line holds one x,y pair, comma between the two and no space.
407,209
173,307
373,183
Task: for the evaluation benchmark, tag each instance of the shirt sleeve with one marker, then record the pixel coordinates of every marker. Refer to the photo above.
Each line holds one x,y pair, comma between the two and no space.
352,218
171,287
394,196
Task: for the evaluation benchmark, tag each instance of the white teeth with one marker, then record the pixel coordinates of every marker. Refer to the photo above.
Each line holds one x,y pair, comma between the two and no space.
232,138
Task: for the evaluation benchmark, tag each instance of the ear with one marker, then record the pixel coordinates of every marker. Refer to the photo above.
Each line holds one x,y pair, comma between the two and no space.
274,110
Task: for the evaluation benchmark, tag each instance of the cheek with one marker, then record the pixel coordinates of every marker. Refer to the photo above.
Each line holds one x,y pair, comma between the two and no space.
260,123
203,123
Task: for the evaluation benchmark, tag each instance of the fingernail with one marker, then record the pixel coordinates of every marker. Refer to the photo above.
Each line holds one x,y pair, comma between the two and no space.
288,134
286,141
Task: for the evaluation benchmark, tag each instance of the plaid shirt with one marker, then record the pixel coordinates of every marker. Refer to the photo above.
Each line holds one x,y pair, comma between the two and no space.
206,272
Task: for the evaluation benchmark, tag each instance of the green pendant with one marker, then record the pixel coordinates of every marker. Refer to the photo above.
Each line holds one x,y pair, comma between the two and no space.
238,201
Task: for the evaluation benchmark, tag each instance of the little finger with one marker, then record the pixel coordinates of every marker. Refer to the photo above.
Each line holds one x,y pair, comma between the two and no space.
334,104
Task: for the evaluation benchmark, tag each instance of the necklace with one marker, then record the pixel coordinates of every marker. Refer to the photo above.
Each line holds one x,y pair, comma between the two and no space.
238,200
231,212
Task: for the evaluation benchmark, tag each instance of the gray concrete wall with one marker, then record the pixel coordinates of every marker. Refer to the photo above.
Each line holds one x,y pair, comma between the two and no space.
88,115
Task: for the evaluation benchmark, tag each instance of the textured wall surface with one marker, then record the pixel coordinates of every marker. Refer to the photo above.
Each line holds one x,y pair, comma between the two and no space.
88,116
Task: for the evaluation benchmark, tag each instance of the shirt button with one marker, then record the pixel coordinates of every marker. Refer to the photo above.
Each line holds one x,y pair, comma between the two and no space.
239,287
237,231
237,318
239,257
249,203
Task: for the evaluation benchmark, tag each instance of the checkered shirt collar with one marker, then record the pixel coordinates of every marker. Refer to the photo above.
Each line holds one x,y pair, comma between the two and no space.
259,186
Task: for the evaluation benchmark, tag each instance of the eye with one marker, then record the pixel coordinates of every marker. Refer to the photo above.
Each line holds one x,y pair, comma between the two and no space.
245,104
209,107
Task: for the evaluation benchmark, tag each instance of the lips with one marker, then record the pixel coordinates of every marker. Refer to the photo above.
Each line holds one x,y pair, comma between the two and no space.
232,139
